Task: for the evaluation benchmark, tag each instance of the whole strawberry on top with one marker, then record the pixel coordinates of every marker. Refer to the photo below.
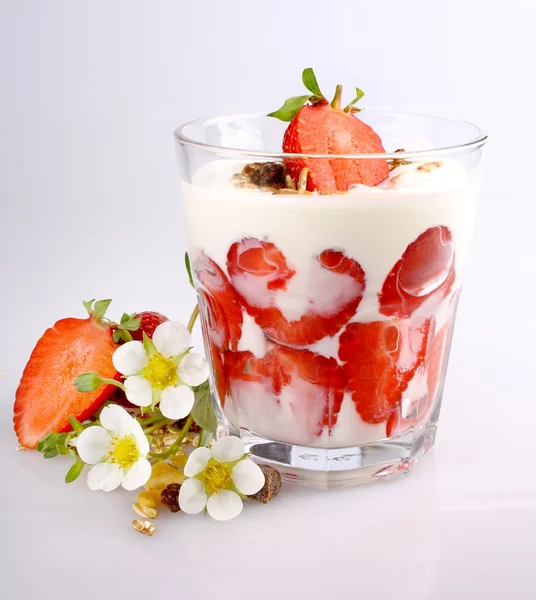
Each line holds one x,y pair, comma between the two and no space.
320,127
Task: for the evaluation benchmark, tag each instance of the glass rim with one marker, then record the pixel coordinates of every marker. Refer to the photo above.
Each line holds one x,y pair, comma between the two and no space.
474,143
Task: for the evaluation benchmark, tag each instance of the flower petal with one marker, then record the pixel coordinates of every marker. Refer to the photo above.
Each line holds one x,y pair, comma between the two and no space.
228,449
224,505
141,438
192,496
138,391
197,461
138,474
247,477
171,339
116,419
176,402
105,476
193,369
130,358
93,444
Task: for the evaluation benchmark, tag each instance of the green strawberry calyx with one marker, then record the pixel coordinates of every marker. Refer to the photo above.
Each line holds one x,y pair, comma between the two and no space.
293,105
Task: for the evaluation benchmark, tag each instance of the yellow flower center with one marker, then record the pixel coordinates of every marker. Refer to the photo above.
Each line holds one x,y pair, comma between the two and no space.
217,476
160,372
124,451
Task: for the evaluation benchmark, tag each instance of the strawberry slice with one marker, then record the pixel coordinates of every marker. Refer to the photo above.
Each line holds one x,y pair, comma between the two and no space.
435,362
426,269
314,379
218,368
315,383
260,274
46,395
324,128
380,360
244,366
436,359
223,310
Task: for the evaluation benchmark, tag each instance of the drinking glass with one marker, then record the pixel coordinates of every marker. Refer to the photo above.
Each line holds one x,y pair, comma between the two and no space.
328,318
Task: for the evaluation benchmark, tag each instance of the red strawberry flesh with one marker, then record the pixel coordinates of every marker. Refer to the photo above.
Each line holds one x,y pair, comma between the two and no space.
380,359
222,303
46,395
336,285
425,269
149,322
322,129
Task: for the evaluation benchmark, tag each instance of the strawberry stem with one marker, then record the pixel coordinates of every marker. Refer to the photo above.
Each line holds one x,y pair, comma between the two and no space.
158,456
193,318
336,102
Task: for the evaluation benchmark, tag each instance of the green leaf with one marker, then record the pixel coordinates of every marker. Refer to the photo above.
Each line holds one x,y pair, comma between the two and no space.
88,382
125,318
42,443
54,444
88,305
310,82
203,411
74,472
76,425
118,336
132,324
100,307
291,108
188,268
358,96
206,437
150,348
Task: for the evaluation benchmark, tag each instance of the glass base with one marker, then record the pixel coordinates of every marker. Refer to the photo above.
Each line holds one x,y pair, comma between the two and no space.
342,467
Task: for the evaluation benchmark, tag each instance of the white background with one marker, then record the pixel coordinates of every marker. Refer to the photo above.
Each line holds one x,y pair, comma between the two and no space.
90,93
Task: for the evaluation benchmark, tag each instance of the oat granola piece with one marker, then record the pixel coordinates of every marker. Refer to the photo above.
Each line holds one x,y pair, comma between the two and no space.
397,162
429,166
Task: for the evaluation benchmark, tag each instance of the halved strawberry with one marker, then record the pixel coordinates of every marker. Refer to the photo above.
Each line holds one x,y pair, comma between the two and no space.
380,359
46,395
425,269
224,313
149,322
324,128
260,273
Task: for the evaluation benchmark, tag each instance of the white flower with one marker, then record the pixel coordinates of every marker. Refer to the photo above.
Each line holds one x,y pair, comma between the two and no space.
118,449
217,477
162,370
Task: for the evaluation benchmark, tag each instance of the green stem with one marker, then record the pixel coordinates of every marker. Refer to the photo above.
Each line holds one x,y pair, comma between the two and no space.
149,420
193,318
157,425
113,382
158,456
336,102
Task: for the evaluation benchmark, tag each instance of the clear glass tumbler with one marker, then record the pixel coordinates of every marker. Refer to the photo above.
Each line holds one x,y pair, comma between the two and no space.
328,318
